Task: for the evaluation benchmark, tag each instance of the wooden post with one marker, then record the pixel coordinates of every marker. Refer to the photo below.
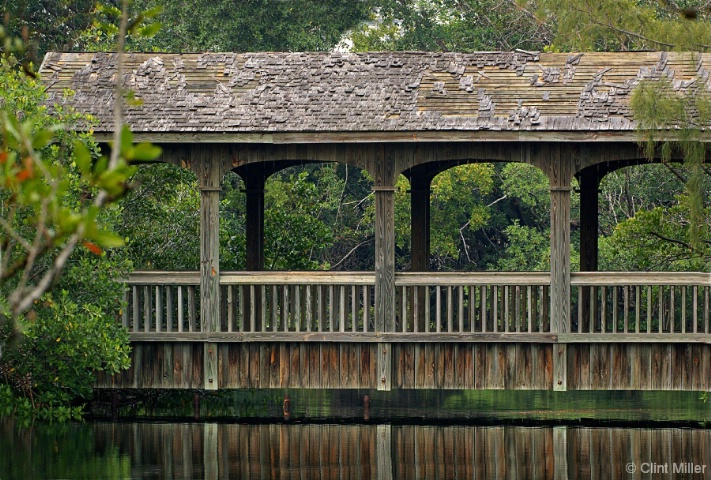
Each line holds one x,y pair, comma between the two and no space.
420,235
254,180
589,180
559,169
384,175
209,173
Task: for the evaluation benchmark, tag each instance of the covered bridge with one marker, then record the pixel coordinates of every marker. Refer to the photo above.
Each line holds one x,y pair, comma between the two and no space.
415,114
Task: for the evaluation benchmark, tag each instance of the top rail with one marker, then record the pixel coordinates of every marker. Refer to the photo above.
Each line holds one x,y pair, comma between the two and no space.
614,279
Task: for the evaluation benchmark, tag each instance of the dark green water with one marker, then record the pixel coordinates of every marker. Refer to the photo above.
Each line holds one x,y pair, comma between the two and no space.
348,451
419,406
405,434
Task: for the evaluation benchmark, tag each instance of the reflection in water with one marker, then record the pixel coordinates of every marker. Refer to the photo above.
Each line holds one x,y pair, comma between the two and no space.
323,451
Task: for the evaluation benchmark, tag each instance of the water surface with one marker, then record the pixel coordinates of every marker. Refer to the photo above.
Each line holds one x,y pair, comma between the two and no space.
348,451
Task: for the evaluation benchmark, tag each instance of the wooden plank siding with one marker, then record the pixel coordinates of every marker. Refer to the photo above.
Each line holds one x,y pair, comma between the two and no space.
449,366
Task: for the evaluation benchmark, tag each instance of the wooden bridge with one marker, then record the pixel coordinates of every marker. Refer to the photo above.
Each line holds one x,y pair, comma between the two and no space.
415,114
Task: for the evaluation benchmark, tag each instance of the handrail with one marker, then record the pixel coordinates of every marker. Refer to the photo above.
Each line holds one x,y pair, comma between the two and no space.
613,279
154,277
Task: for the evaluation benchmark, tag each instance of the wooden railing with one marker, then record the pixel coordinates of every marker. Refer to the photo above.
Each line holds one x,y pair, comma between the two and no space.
641,302
433,305
436,302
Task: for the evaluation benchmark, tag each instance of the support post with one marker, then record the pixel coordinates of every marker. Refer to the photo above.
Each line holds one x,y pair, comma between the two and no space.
254,180
384,190
559,163
209,173
589,180
420,236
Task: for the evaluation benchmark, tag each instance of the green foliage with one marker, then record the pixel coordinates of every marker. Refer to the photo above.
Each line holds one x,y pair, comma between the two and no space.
294,233
450,25
457,208
254,25
657,105
160,217
63,346
620,25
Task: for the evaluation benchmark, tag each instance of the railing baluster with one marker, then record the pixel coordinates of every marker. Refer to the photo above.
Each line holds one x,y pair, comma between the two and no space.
506,308
626,300
520,326
529,308
661,308
695,306
331,307
191,308
230,308
297,308
285,307
309,308
614,309
136,309
404,308
580,309
495,307
275,308
593,310
603,311
672,313
461,308
438,313
252,309
650,304
321,309
180,309
262,289
483,294
450,310
472,308
683,309
147,309
638,308
342,308
427,309
169,308
354,307
366,307
159,308
706,309
241,319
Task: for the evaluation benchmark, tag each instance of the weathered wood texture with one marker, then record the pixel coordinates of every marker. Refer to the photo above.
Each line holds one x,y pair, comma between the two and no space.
511,366
367,92
622,366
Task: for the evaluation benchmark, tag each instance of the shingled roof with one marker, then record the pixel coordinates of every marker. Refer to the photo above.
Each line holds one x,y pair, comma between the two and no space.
368,92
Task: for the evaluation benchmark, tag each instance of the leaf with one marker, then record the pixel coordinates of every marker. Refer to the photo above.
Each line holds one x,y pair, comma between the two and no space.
108,239
42,139
93,248
82,158
150,30
146,151
126,139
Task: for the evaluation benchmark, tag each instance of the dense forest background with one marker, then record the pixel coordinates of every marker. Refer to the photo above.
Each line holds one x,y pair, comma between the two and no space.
318,216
